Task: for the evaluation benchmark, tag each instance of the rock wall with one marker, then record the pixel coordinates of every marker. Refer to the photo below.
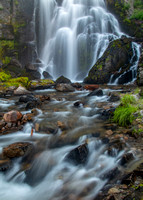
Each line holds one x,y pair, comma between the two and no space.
123,10
16,30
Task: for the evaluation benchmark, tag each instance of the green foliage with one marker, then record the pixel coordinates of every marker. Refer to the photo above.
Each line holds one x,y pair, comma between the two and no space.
42,82
123,115
128,99
138,4
138,15
4,76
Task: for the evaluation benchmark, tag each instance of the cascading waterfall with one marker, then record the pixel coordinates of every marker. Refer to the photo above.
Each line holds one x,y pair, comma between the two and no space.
72,35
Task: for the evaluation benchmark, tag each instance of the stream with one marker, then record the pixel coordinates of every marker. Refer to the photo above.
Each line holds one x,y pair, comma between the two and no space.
52,172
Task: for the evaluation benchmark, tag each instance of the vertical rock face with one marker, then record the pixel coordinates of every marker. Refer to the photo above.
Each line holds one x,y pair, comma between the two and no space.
140,70
16,31
123,10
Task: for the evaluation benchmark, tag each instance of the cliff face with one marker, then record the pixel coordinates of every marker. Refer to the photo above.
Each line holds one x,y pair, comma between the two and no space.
124,10
16,31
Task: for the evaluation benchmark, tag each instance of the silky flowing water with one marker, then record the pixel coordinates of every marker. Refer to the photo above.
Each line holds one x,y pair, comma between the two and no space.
51,176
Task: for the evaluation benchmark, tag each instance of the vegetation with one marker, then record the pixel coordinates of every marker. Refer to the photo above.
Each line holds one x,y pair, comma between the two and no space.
7,81
123,114
138,12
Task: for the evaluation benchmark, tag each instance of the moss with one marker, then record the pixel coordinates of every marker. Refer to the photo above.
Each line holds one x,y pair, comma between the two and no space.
23,81
6,46
42,82
4,76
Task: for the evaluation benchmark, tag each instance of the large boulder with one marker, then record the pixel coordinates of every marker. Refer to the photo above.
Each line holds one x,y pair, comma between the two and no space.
115,61
21,91
62,79
13,116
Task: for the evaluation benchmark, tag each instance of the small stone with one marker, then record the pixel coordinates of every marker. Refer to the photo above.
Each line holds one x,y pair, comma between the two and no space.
113,191
109,132
37,126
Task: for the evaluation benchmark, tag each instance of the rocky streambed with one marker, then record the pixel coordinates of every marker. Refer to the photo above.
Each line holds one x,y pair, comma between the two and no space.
59,143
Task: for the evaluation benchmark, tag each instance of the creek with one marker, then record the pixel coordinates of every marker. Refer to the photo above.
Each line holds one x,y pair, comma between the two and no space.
50,174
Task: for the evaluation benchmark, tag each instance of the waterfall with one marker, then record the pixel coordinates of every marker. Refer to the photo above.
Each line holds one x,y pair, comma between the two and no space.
72,35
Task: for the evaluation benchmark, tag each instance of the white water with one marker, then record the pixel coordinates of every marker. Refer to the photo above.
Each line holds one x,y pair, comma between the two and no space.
50,176
72,36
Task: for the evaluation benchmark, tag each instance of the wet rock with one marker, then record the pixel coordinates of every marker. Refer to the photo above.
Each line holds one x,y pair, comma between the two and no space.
27,117
114,98
33,70
78,104
21,91
106,114
44,98
91,87
2,124
98,92
62,79
77,85
27,98
46,75
46,127
117,56
126,158
61,125
13,116
110,174
33,104
115,147
78,155
41,84
17,150
64,88
5,165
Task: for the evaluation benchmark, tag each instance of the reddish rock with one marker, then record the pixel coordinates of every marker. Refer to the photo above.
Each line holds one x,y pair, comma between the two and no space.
91,87
17,150
13,116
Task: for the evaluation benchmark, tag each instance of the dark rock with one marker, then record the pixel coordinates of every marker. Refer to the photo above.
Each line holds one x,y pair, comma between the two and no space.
117,56
41,84
17,150
78,104
76,85
64,88
33,70
126,158
110,174
105,140
114,98
106,114
46,75
140,70
115,147
78,155
27,98
62,79
33,104
98,92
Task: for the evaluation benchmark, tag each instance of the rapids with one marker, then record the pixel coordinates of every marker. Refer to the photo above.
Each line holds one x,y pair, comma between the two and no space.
50,176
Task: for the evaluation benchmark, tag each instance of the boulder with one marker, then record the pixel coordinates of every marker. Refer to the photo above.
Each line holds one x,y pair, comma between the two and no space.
78,104
62,79
98,92
5,165
17,150
46,75
115,61
114,98
33,70
13,116
27,98
64,87
78,155
33,104
21,91
77,85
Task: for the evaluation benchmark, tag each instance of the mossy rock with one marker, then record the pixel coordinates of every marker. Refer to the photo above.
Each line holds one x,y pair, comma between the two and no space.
117,56
41,84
